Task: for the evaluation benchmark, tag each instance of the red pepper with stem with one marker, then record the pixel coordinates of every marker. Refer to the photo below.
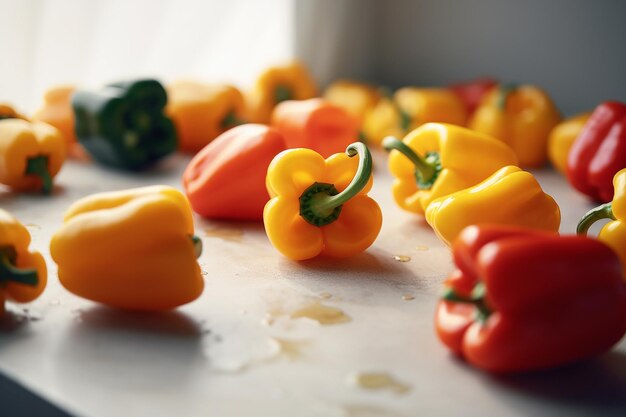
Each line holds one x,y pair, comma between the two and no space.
599,152
524,300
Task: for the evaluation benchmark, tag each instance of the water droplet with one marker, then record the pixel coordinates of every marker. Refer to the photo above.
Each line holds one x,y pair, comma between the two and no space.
323,314
205,273
378,380
422,248
408,297
402,258
325,295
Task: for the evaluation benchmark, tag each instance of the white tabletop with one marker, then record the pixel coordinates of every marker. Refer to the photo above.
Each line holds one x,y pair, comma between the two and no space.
241,350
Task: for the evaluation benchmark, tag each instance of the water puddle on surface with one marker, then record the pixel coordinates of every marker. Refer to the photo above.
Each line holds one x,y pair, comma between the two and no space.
408,297
378,381
224,233
321,313
402,258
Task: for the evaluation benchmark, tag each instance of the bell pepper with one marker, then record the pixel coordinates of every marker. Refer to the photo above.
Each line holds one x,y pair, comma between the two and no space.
291,81
123,124
599,152
355,97
31,154
226,179
562,138
411,107
23,274
520,116
132,249
437,159
7,112
321,207
202,112
525,300
315,124
472,92
509,197
614,232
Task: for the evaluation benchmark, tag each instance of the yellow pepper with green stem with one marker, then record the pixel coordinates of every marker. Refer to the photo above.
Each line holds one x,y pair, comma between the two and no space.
508,197
437,159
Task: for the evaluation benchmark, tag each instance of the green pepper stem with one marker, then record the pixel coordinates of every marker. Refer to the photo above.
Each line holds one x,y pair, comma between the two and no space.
476,298
9,272
360,180
503,95
605,211
426,169
197,245
232,120
39,166
282,93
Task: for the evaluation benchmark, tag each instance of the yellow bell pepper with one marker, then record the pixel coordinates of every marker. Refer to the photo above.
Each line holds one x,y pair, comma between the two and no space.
614,232
321,207
8,112
355,97
561,139
520,116
202,112
509,197
23,274
133,249
437,159
277,84
31,154
411,107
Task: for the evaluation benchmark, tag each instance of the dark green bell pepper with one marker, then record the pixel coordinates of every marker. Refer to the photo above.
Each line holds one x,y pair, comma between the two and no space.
123,124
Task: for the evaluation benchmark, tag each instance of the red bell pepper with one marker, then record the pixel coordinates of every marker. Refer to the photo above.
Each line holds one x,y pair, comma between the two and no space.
526,300
226,179
472,92
599,152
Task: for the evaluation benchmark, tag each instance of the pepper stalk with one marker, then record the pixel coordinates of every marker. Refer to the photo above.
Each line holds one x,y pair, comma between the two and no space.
427,169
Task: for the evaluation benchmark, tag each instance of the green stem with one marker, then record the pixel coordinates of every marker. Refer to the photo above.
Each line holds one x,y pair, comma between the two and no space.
503,95
197,245
282,93
231,120
605,211
476,298
426,169
39,166
320,204
9,272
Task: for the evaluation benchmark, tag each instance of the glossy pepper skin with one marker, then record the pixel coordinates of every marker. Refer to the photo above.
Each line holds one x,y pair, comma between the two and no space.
472,92
123,125
226,179
562,138
614,232
355,97
315,124
509,197
520,116
202,112
132,249
31,154
321,207
411,107
599,152
23,274
438,159
525,300
291,81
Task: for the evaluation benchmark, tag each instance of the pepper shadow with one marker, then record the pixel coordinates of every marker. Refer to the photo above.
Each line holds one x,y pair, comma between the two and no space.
11,322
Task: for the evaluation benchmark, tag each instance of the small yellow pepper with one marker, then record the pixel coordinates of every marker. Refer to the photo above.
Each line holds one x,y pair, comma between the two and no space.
561,139
8,112
23,274
277,84
614,232
202,112
520,116
437,159
31,154
411,107
509,197
355,97
133,249
321,207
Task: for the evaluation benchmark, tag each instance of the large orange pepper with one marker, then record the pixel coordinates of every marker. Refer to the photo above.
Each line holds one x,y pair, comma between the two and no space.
57,111
202,112
520,116
321,207
23,274
315,124
31,154
355,97
562,138
291,81
132,249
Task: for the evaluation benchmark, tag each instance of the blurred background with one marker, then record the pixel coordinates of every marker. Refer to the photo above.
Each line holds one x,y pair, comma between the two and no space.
572,48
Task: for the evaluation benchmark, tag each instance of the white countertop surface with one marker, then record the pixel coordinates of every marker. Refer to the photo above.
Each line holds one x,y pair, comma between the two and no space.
237,350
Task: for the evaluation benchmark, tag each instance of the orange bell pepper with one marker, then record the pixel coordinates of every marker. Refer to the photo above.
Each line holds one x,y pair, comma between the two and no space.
23,274
202,112
226,179
520,116
562,138
315,124
291,81
321,207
